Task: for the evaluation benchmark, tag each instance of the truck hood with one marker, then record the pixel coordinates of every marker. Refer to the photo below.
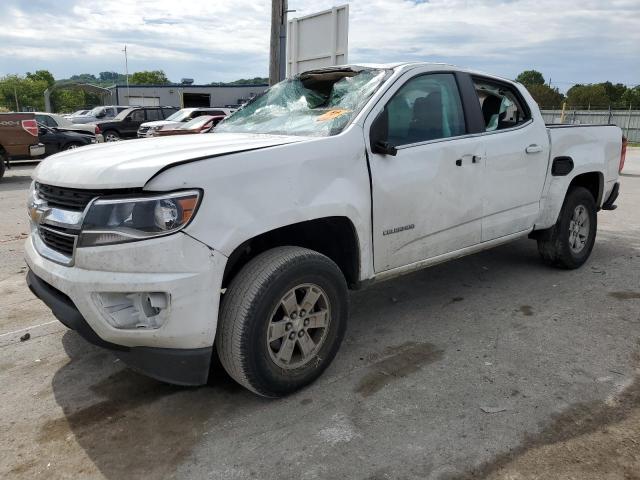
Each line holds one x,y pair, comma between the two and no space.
131,163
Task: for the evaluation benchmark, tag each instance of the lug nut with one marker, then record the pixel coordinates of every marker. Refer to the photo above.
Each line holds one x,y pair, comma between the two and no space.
294,315
306,322
303,313
292,335
301,333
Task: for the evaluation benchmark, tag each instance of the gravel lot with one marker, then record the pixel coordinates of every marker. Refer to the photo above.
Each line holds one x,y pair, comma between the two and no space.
491,366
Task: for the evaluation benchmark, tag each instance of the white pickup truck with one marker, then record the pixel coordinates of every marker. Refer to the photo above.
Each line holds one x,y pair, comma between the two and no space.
243,243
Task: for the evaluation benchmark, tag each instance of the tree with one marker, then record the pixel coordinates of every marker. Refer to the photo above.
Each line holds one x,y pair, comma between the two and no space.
84,78
530,77
588,96
545,96
28,93
631,97
44,75
614,92
149,77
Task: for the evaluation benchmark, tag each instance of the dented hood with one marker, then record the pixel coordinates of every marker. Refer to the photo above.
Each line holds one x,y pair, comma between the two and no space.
131,163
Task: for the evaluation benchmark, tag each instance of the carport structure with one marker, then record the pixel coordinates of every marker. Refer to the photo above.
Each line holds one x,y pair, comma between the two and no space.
87,87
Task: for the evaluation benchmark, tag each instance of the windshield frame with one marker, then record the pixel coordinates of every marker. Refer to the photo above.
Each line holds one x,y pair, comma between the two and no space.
328,106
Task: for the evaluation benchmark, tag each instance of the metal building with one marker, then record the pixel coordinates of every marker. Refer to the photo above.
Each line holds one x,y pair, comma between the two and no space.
183,95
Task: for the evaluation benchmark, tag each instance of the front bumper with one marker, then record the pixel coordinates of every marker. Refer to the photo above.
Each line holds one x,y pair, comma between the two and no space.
178,366
185,270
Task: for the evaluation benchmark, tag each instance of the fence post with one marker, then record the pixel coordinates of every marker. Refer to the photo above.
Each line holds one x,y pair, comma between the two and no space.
629,120
609,120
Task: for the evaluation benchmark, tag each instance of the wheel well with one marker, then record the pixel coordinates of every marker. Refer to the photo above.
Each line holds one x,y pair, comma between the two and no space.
334,237
592,181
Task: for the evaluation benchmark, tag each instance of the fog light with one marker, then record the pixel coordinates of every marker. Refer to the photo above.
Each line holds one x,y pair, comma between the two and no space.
134,310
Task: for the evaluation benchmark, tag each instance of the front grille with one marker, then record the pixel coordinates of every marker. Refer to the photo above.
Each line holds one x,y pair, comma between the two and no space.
58,241
66,198
74,198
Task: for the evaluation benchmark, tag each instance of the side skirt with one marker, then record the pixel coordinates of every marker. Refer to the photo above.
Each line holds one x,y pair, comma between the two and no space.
463,252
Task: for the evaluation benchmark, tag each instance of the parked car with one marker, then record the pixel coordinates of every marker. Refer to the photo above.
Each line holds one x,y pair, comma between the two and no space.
56,139
18,139
99,114
337,178
77,113
184,115
127,122
203,124
58,121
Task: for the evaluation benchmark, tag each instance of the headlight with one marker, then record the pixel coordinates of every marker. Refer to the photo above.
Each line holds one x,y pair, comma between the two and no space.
130,219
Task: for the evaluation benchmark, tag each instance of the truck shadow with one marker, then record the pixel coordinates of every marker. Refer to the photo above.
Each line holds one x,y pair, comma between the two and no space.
131,426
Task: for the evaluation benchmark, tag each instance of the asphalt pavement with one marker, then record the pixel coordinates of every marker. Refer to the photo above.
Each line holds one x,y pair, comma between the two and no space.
490,366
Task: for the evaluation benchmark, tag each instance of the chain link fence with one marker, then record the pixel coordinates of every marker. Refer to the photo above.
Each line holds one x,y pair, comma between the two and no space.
627,120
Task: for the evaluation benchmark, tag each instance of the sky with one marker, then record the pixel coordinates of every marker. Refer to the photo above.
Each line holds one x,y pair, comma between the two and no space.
569,41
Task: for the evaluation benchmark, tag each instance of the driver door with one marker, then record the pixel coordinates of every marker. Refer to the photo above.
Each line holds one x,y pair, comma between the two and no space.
427,198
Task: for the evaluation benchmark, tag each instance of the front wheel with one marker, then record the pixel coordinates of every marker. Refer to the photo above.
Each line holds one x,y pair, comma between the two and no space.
282,320
72,146
111,136
3,160
569,242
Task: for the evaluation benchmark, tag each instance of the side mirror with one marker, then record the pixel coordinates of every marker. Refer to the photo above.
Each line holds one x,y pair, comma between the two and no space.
379,135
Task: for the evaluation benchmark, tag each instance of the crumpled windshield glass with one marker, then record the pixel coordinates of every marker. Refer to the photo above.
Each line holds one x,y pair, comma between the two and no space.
314,103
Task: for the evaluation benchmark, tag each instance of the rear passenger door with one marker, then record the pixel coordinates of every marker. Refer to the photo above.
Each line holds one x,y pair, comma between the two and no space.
517,156
427,199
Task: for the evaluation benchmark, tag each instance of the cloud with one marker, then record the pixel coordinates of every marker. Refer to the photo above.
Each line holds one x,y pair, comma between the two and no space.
573,40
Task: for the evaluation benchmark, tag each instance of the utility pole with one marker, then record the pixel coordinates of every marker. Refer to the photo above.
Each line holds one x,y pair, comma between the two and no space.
126,69
278,45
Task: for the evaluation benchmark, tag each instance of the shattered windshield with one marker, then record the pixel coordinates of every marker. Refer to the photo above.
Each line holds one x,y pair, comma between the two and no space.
315,103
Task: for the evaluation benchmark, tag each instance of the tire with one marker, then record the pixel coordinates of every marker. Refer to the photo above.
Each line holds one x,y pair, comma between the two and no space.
3,159
111,136
253,311
558,246
72,146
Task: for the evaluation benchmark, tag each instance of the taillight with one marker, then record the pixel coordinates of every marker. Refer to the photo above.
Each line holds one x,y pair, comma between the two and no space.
623,153
30,126
97,130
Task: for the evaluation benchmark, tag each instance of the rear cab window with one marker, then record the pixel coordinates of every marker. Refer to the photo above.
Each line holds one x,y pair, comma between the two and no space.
502,106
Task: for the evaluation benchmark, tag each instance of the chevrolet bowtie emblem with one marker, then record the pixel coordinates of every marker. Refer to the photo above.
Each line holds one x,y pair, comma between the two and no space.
38,209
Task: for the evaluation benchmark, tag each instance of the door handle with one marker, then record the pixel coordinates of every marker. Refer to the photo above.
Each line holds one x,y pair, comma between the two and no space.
533,148
476,159
459,162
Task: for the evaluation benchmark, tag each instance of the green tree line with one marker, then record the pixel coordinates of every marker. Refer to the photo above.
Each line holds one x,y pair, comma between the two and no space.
596,96
26,92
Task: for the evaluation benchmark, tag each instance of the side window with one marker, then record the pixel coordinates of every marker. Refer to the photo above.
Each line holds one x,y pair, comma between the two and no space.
425,108
154,114
137,116
501,106
46,120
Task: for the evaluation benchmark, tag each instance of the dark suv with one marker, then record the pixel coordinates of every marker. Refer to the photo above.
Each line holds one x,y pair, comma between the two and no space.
126,123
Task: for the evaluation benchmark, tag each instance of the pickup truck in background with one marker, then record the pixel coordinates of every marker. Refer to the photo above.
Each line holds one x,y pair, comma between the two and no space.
18,138
243,244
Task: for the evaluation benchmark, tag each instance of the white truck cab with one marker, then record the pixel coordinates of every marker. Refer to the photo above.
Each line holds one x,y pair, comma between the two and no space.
243,243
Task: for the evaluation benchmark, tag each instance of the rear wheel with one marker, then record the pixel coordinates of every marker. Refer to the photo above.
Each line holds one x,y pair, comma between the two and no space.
111,136
282,320
569,242
72,146
3,160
